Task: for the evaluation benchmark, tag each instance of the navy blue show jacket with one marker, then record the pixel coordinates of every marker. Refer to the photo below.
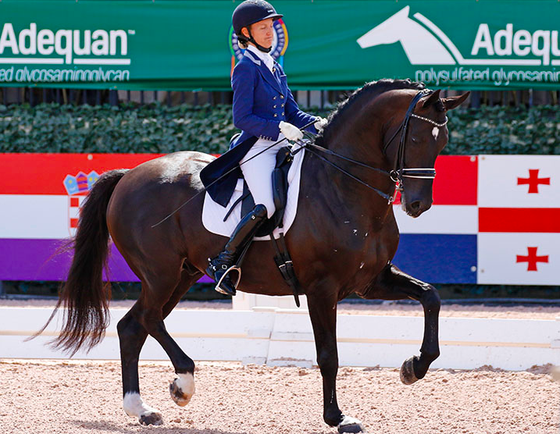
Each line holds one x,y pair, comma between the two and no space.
261,100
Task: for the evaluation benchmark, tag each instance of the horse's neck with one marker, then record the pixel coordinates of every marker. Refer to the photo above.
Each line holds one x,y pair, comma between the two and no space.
337,192
360,137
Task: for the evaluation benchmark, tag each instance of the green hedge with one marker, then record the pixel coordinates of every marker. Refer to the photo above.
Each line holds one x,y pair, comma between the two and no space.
158,128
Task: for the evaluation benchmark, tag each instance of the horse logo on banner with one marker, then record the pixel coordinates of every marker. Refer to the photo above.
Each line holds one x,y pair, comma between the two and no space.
77,188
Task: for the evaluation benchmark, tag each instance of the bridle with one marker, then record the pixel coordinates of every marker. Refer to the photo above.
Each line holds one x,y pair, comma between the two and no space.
399,171
397,174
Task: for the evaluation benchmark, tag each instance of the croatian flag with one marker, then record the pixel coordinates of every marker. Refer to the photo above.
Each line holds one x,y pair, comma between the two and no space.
40,198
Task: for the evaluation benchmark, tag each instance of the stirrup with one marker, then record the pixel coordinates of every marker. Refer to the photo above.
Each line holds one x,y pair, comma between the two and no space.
218,287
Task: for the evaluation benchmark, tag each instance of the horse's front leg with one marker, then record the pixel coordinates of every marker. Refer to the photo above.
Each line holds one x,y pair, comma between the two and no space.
393,284
322,310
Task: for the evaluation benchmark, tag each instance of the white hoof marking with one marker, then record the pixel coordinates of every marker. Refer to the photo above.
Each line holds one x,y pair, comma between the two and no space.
185,383
135,407
350,425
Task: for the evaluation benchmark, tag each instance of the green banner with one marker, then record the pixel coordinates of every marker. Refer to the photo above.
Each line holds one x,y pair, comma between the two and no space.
322,44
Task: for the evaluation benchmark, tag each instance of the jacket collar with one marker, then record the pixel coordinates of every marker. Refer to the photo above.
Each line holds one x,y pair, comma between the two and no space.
263,69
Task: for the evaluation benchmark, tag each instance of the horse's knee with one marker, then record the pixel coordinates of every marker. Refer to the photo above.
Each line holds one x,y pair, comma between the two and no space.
430,299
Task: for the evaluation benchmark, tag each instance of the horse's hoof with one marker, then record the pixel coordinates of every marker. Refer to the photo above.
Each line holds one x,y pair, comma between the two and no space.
351,425
154,418
182,389
407,372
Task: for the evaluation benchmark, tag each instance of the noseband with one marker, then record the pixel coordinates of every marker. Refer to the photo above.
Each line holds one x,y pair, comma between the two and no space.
399,171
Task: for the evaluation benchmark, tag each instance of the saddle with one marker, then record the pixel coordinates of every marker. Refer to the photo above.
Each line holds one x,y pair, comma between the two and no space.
284,160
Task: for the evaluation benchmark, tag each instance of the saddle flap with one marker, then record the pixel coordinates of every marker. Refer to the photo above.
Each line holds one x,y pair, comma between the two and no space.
222,219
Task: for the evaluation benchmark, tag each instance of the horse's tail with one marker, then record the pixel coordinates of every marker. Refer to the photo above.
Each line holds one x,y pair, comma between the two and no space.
84,295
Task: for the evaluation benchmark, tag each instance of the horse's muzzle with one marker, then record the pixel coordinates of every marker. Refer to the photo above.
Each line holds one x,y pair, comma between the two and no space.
415,207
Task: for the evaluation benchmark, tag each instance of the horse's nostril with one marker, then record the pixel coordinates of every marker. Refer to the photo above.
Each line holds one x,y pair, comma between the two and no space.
415,205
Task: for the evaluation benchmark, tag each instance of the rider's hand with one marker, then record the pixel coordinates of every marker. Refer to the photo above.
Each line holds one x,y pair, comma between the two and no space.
320,123
290,131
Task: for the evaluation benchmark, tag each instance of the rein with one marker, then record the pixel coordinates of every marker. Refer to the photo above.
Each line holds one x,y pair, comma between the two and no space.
223,176
399,171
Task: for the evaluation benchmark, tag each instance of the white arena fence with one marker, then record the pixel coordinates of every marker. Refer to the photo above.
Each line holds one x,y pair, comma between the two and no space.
270,330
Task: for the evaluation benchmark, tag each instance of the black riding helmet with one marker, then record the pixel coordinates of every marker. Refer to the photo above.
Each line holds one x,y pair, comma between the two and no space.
251,12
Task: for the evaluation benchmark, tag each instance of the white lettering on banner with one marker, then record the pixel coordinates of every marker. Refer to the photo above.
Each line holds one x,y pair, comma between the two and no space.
30,33
64,42
417,33
483,40
45,43
25,75
8,39
500,77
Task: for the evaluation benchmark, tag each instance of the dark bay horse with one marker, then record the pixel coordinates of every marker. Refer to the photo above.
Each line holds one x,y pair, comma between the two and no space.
342,241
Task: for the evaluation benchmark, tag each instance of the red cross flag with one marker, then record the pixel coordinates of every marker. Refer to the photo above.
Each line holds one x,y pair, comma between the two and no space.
519,220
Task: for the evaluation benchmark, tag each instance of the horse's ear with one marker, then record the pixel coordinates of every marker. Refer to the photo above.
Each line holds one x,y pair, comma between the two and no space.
453,101
432,99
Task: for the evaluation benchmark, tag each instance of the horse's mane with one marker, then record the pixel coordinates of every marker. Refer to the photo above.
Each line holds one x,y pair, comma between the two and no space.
366,93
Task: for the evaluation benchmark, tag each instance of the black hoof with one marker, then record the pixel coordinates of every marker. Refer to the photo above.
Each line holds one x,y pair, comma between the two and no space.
151,419
350,425
407,371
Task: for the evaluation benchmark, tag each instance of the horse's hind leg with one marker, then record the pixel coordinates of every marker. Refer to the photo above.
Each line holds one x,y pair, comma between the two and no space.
132,334
393,284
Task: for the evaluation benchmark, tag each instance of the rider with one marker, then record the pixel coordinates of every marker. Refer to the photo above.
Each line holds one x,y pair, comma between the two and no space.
266,112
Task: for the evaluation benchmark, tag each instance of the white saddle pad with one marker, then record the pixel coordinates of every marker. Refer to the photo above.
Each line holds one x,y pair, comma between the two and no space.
213,214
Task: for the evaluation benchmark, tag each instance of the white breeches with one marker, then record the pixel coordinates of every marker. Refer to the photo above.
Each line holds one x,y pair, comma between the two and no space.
258,172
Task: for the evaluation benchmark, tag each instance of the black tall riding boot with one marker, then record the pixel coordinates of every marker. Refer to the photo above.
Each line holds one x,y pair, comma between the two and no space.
220,267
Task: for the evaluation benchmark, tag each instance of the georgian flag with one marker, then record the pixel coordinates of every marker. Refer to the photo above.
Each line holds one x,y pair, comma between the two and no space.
519,220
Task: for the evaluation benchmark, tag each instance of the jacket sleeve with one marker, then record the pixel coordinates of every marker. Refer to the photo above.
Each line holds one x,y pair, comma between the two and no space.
243,83
293,114
297,117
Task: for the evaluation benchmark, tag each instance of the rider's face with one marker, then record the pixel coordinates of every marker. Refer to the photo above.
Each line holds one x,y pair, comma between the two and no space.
263,32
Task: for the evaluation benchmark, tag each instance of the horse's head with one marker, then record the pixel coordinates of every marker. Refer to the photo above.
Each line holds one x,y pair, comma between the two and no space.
413,155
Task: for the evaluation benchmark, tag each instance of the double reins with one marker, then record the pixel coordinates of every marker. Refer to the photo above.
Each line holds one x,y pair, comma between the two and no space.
399,171
226,174
397,174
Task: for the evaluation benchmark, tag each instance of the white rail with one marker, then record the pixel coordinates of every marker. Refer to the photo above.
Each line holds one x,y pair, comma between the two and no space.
284,337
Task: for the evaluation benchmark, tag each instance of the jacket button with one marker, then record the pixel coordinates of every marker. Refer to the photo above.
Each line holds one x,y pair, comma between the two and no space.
273,97
275,115
282,105
274,106
282,113
281,96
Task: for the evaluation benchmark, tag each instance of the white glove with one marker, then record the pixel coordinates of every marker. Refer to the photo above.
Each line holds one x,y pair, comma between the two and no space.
320,123
290,131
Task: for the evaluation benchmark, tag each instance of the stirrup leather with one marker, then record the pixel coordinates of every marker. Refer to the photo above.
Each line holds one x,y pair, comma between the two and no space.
218,287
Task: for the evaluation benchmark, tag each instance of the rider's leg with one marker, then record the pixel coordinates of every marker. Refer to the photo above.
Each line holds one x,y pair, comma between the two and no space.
257,173
240,239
